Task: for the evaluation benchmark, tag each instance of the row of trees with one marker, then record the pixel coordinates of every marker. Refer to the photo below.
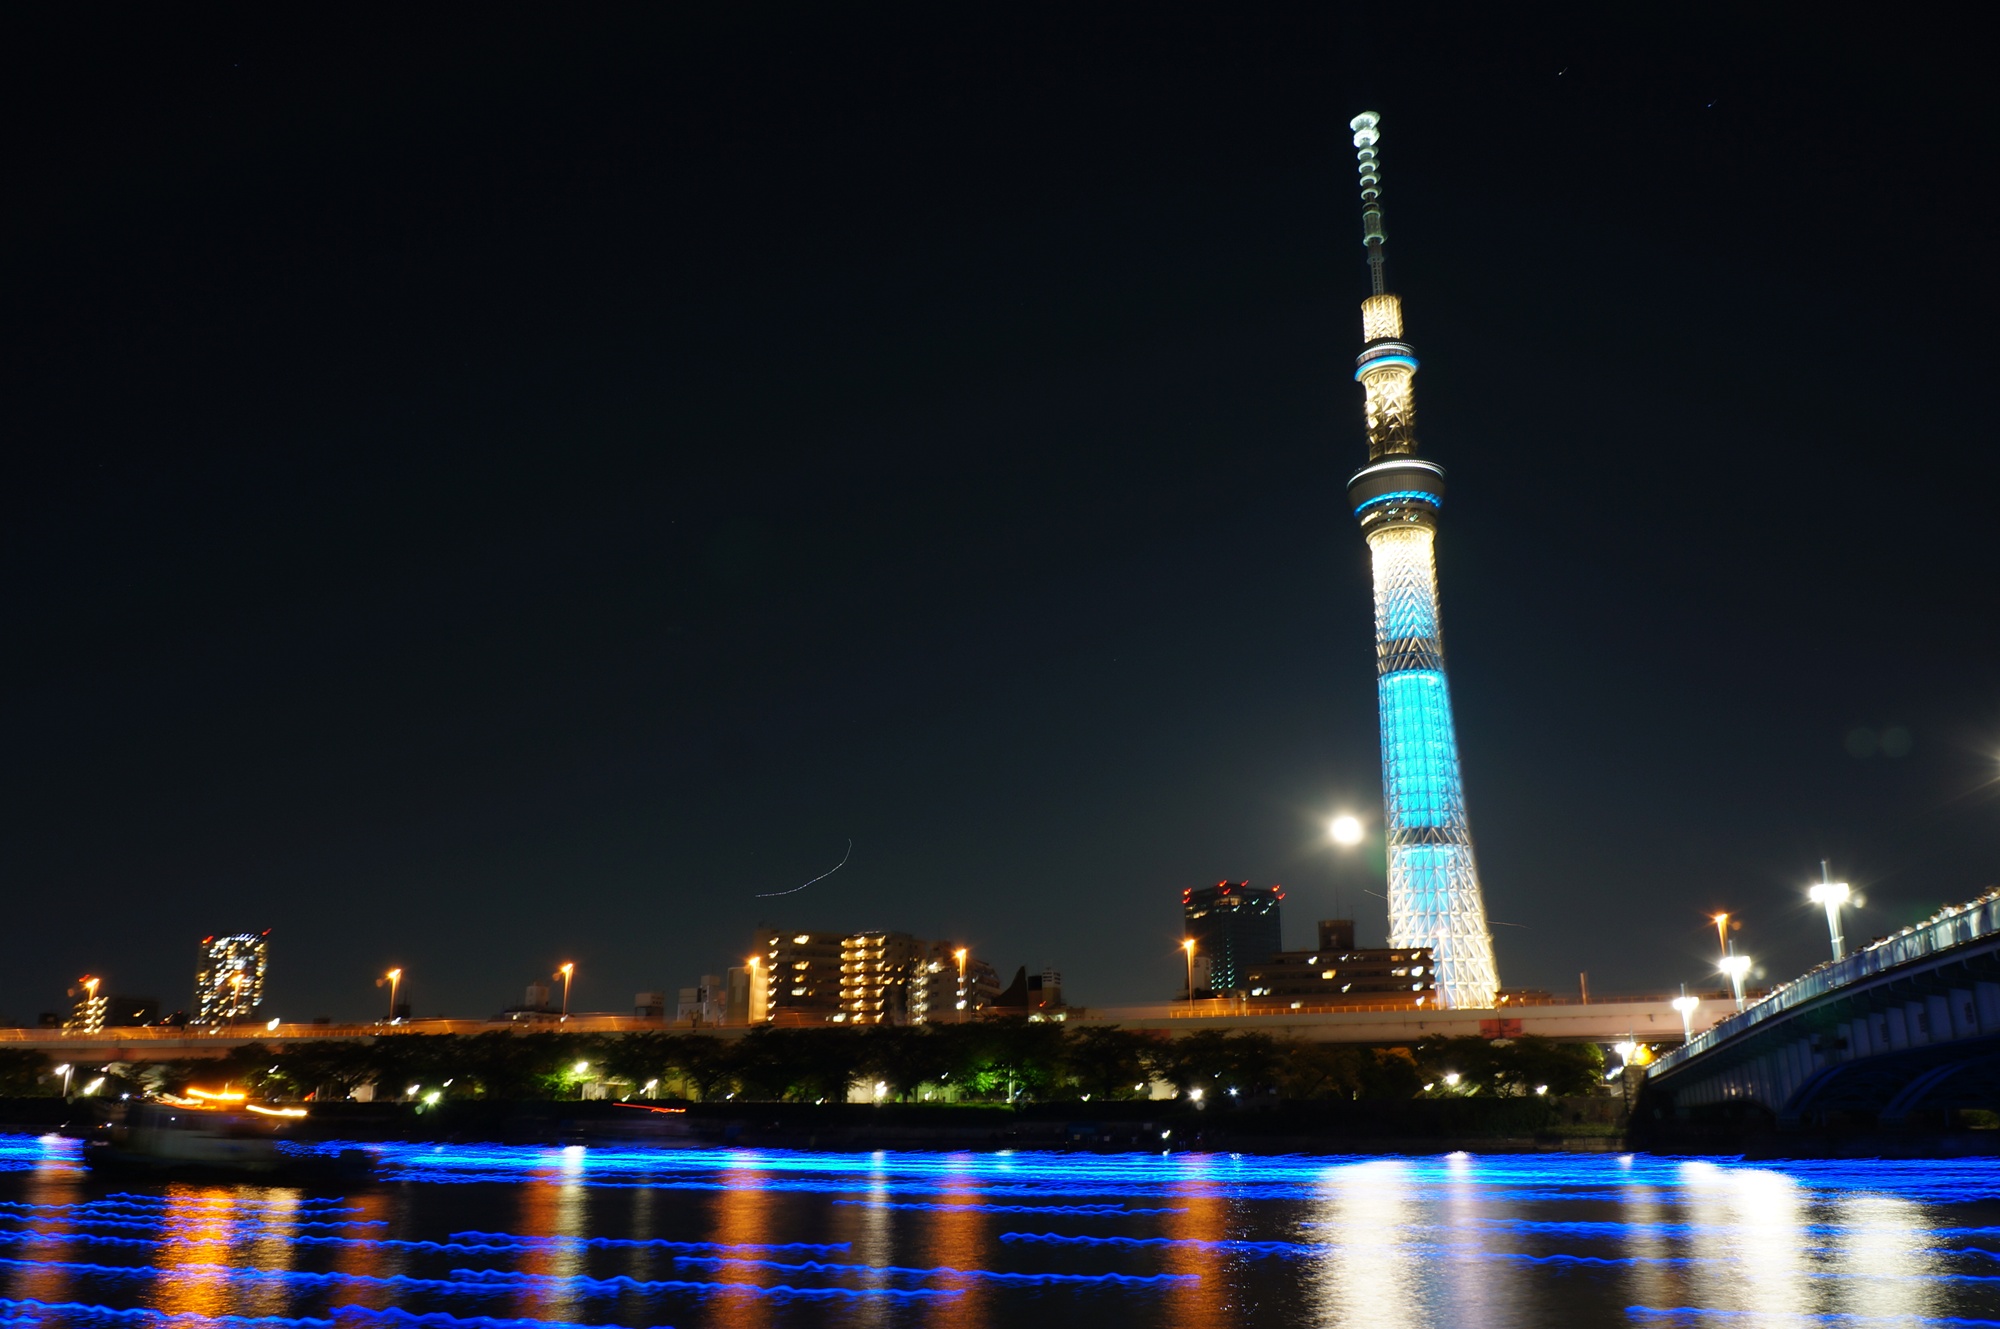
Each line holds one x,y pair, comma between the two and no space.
1001,1061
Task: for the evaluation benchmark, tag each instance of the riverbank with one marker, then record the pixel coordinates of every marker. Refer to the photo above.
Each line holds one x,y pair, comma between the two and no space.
1423,1126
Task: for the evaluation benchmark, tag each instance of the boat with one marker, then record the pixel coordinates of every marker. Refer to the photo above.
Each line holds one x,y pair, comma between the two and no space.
216,1136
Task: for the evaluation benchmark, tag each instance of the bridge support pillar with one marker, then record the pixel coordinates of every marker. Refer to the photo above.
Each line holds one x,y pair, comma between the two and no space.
1964,1014
1986,996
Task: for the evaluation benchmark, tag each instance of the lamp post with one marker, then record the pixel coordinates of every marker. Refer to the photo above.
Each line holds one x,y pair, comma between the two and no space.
1721,922
567,972
1832,894
1187,945
1686,1005
959,955
1736,966
394,979
66,1070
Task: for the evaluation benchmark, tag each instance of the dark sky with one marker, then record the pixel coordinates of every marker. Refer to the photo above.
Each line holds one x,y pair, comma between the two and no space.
491,490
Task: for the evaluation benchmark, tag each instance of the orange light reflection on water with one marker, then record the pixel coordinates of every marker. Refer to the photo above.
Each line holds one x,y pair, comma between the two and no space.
553,1205
959,1237
1204,1217
365,1260
743,1215
51,1185
192,1249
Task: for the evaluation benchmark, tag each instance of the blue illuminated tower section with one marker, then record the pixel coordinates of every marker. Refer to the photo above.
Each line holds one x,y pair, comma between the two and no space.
1434,897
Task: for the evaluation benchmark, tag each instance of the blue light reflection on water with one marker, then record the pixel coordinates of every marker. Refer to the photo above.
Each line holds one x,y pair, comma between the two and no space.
488,1236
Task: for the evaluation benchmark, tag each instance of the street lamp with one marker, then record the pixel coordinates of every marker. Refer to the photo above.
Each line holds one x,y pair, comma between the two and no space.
1188,945
959,955
1721,922
1736,966
565,973
1686,1005
66,1071
1832,894
394,979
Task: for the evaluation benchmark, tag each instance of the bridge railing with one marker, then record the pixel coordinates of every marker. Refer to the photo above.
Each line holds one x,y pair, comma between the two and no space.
1941,932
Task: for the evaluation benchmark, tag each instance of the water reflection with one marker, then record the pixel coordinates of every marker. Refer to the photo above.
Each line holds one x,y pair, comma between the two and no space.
551,1215
1199,1216
742,1214
51,1190
1369,1273
1047,1241
193,1251
957,1236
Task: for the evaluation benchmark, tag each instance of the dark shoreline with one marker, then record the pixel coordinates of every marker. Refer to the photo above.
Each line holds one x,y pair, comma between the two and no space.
1382,1128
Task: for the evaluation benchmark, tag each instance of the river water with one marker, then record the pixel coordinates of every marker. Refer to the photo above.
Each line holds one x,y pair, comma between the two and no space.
747,1239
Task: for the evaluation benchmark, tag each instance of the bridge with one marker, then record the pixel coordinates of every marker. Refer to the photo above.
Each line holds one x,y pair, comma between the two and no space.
1642,1019
1902,1034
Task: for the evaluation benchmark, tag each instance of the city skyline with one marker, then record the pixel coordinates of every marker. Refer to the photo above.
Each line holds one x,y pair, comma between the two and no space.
480,505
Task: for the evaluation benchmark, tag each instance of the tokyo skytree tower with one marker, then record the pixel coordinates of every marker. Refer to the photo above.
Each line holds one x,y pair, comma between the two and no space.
1434,897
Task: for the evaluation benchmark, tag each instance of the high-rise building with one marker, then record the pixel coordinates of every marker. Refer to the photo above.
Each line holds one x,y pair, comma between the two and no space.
229,984
796,977
1434,896
88,1014
875,973
951,985
1234,926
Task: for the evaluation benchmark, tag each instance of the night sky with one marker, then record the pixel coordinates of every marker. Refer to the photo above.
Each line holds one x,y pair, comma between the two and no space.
491,488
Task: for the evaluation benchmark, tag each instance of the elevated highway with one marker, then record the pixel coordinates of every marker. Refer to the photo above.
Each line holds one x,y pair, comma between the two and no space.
1645,1019
1904,1033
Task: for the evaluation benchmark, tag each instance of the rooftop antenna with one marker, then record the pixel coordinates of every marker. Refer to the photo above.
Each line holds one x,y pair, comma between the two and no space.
1366,136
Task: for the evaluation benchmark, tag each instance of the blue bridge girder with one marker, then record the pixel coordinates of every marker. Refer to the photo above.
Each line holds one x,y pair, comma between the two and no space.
1902,1033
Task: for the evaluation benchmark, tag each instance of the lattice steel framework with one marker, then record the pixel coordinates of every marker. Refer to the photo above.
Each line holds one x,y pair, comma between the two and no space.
1434,895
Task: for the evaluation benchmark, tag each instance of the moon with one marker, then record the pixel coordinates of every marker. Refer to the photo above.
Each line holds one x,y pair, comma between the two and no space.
1346,829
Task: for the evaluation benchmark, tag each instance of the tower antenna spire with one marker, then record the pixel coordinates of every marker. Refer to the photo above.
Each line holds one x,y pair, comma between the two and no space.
1366,135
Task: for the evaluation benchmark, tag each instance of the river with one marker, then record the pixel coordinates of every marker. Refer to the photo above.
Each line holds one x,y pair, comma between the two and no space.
483,1236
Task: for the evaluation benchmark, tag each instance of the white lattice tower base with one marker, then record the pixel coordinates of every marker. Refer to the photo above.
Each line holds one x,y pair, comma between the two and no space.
1434,896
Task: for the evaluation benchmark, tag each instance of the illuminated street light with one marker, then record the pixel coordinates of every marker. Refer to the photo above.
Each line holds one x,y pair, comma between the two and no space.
1188,946
1346,829
1686,1005
394,979
959,955
1721,922
1832,894
567,972
1736,966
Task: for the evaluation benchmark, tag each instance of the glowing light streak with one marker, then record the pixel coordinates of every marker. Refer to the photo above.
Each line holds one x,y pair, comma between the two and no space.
463,1282
1069,1210
772,895
338,1316
982,1275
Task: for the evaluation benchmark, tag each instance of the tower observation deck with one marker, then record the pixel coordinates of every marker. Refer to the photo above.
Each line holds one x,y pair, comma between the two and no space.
1434,897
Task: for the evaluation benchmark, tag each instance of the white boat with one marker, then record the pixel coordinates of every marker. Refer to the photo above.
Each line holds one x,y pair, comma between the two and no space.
218,1136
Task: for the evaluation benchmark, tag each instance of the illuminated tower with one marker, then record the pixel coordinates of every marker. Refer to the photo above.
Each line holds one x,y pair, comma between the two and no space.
1434,897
